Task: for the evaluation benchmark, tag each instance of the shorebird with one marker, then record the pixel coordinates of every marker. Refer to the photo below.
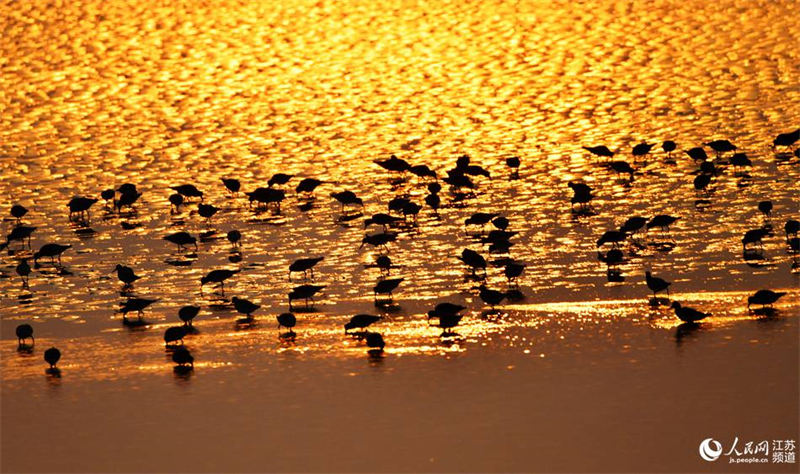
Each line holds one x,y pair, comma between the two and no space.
52,356
218,276
108,196
764,298
183,357
125,274
754,237
307,186
135,304
697,154
491,297
80,206
187,314
766,208
701,182
447,321
379,240
473,260
24,331
244,306
128,195
513,163
740,160
475,170
622,167
792,227
360,321
174,334
422,171
384,263
612,258
304,292
23,269
20,232
688,315
188,191
232,185
280,179
266,197
18,212
669,146
642,149
393,164
720,146
375,342
601,151
52,251
287,320
304,265
347,198
662,221
613,237
512,270
234,237
206,210
633,225
480,218
786,139
381,219
582,194
656,284
175,201
182,239
386,287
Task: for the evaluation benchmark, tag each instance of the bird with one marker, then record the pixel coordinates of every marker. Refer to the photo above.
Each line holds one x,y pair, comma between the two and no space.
307,185
447,322
669,146
422,171
379,240
304,265
791,227
394,164
347,198
52,356
475,170
764,298
24,331
244,306
582,194
642,149
266,197
128,195
786,139
740,160
633,225
52,251
434,202
279,179
384,263
613,237
457,180
304,292
473,260
601,151
480,218
135,304
445,309
188,191
720,146
513,270
287,320
697,154
491,297
206,210
384,287
174,334
218,276
23,269
656,284
766,208
234,237
181,239
108,195
20,232
80,206
622,167
382,219
175,201
513,163
701,182
360,321
375,342
18,212
687,314
188,313
126,274
612,258
754,236
662,221
183,357
232,185
501,222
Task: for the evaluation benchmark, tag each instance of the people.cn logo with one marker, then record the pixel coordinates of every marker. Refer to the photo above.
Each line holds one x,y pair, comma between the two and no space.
710,450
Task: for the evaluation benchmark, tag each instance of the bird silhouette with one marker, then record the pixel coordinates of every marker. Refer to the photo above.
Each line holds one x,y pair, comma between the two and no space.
126,274
764,298
786,139
754,237
360,321
218,276
375,342
687,314
473,260
491,297
697,154
765,207
18,212
23,269
174,334
182,239
244,306
206,210
232,185
20,233
187,314
52,356
183,357
582,194
188,191
24,331
379,240
613,237
656,284
135,304
304,265
304,292
386,287
287,320
175,201
601,151
266,197
307,186
52,251
280,179
393,164
669,146
234,237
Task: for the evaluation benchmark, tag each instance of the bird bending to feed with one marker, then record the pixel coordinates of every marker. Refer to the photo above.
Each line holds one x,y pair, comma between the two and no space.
174,334
218,276
386,287
360,321
347,198
669,146
764,298
280,179
601,151
697,154
393,163
234,237
375,342
304,265
24,331
183,358
688,315
52,356
613,237
181,239
232,185
80,206
206,210
642,149
491,297
18,212
304,292
287,320
582,194
135,304
307,186
786,139
379,240
721,146
187,314
754,237
473,260
244,306
188,191
52,251
126,274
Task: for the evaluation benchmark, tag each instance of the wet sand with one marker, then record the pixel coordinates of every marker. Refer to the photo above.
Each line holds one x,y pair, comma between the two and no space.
581,375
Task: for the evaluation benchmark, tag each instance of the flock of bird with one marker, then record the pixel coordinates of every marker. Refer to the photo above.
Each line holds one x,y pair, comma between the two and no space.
402,212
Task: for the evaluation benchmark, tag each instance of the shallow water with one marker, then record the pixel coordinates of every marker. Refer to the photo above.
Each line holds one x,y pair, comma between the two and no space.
582,374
